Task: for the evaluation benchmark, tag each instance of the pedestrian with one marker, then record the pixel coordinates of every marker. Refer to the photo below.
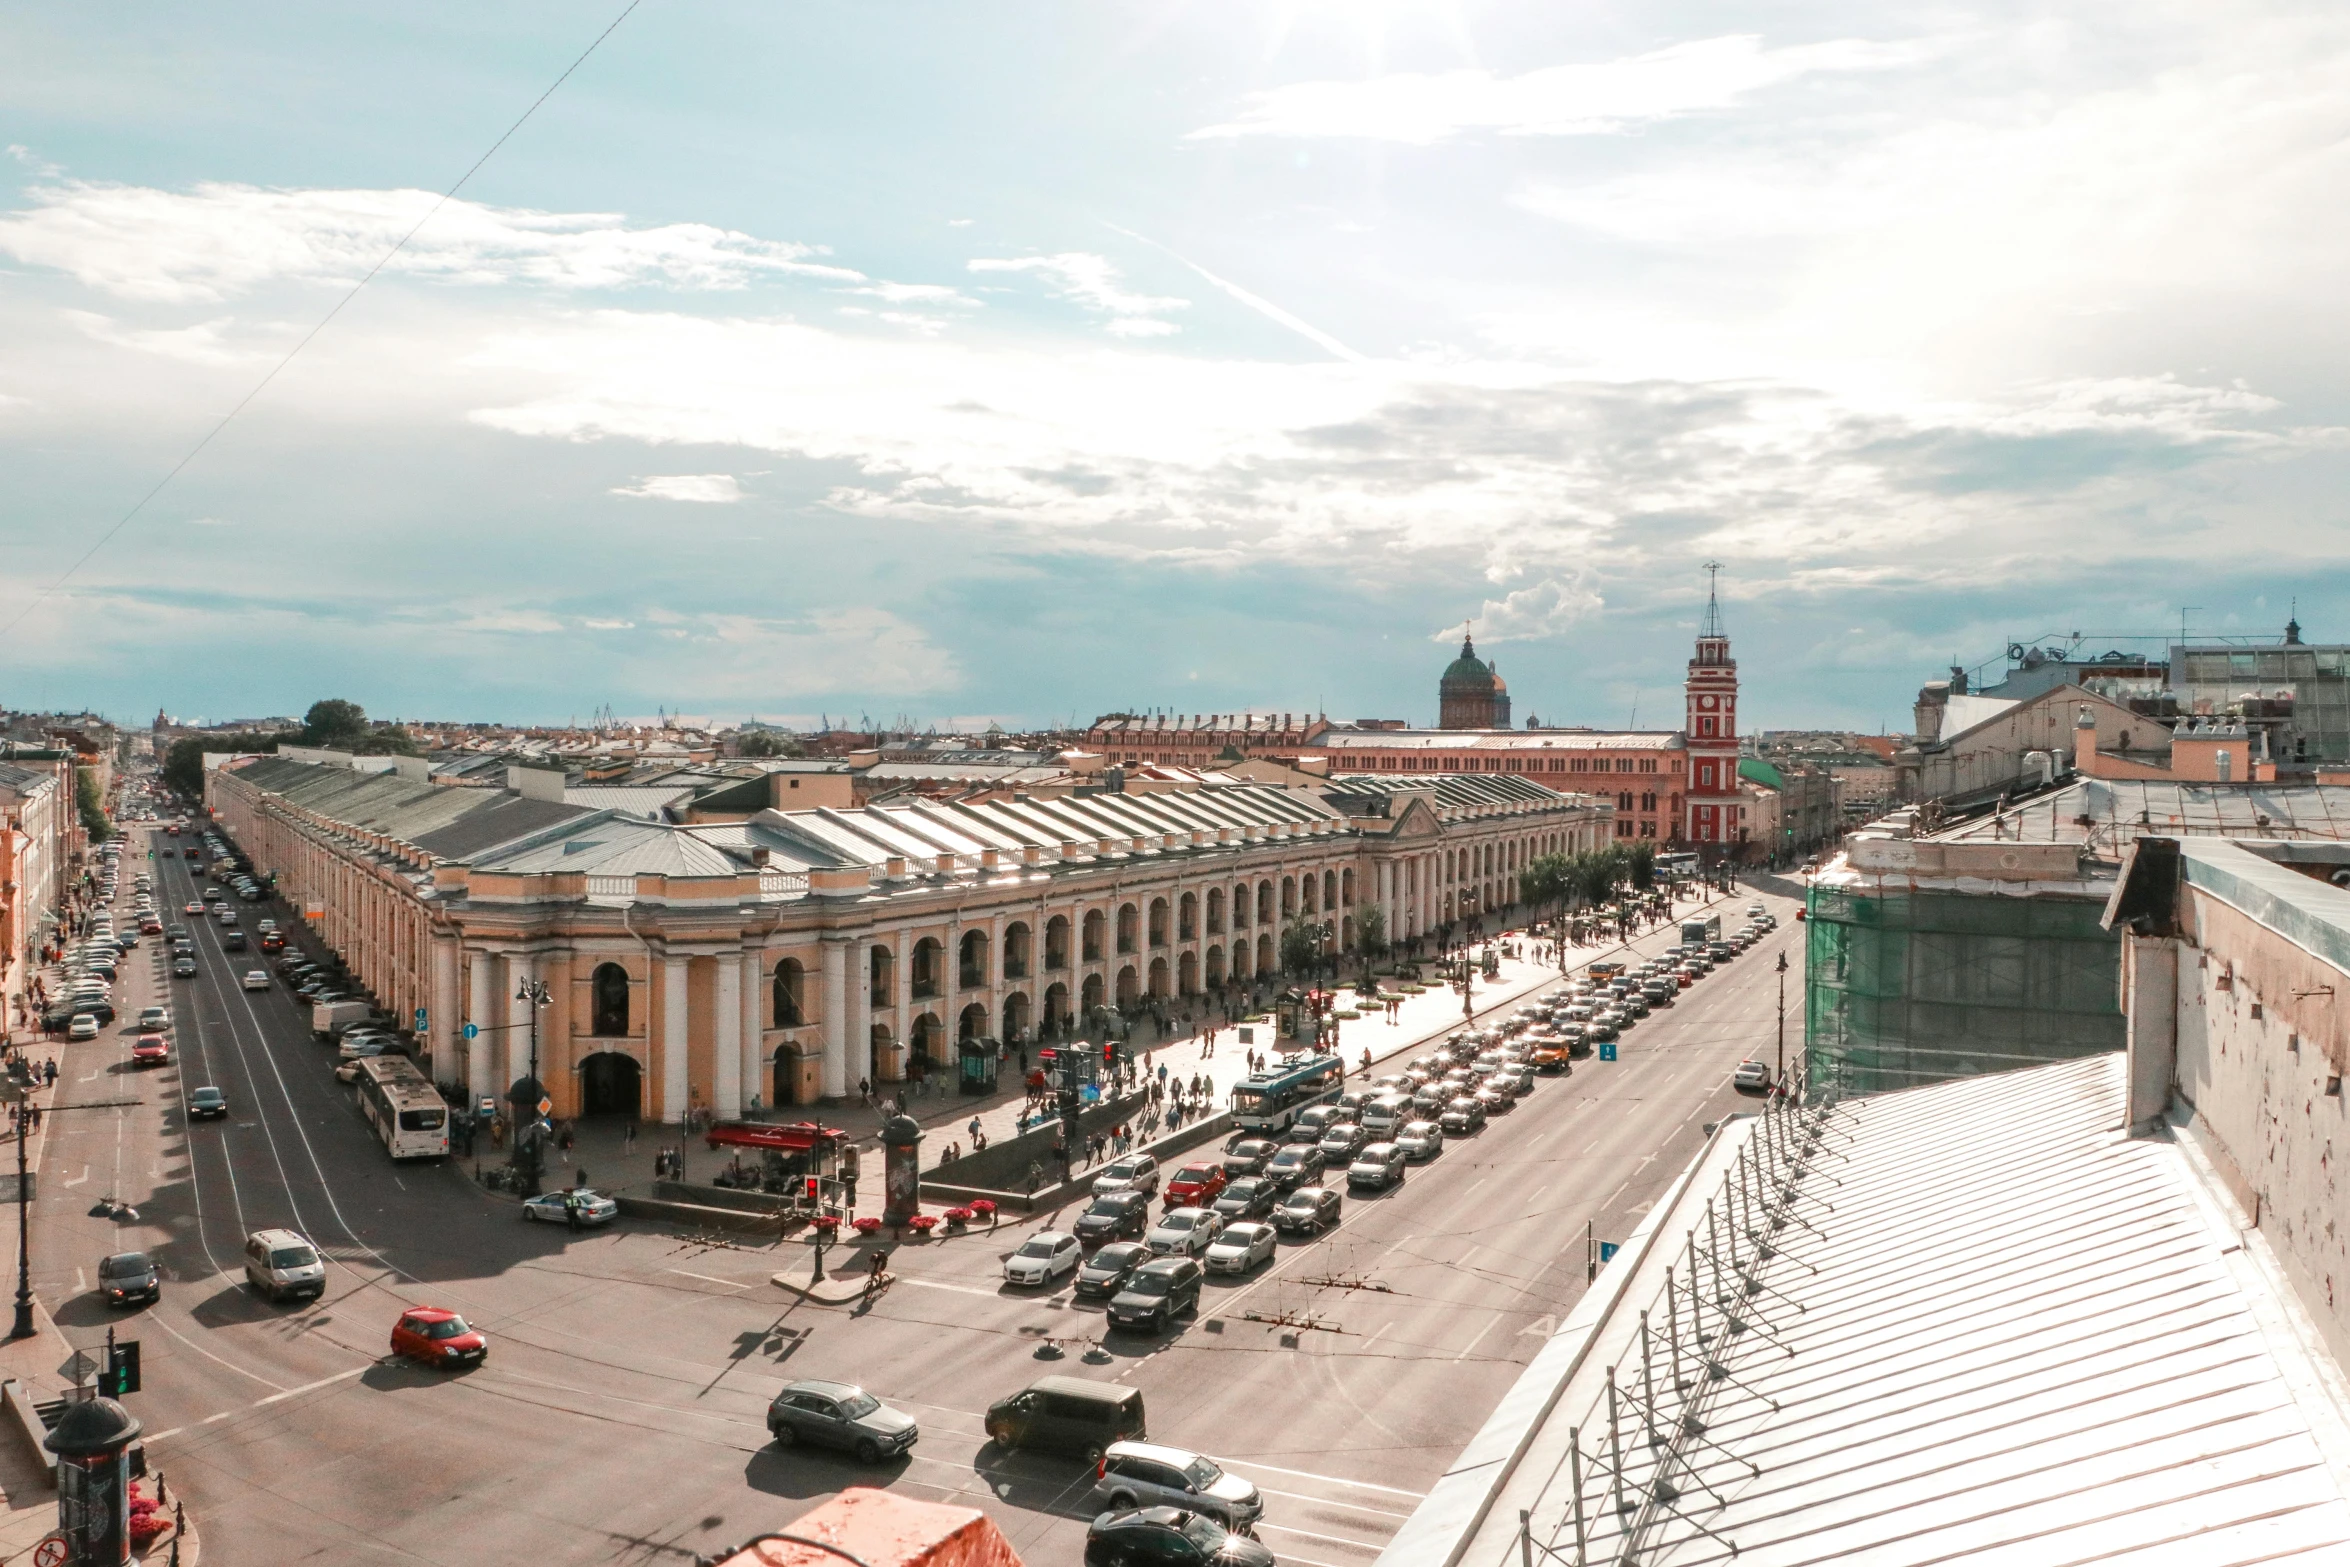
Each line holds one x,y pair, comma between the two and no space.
628,1138
974,1128
865,1092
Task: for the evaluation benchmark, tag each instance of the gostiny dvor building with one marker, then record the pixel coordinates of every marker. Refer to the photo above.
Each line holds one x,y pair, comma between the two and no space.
784,958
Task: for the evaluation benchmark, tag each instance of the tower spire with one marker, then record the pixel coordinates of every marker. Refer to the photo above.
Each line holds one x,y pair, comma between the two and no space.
1713,604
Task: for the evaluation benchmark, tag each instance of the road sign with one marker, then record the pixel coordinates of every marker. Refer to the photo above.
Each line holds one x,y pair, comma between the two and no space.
546,1106
79,1367
420,1020
472,1031
1607,1052
1608,1250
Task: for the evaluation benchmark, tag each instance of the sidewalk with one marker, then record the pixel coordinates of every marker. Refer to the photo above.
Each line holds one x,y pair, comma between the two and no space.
610,1166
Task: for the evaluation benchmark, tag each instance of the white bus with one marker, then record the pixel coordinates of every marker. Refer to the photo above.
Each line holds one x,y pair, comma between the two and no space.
406,1111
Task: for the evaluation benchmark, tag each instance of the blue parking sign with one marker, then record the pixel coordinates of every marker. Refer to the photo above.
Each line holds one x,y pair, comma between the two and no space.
1608,1250
1607,1052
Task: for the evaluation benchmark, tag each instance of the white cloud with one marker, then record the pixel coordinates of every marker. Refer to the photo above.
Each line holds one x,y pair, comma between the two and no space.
219,239
1546,609
1092,281
913,293
1561,100
200,344
710,488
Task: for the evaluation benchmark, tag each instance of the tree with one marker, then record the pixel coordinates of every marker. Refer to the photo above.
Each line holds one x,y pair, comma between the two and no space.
1371,930
1641,864
1301,946
759,743
335,723
183,764
92,804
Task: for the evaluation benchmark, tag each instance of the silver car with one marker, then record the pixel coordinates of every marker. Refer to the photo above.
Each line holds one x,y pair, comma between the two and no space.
1420,1141
1146,1474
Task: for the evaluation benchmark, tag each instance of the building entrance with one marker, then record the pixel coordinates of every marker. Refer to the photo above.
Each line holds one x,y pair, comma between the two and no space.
611,1084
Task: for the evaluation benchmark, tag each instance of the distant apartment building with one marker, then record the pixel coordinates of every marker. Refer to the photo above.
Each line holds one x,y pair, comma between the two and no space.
40,835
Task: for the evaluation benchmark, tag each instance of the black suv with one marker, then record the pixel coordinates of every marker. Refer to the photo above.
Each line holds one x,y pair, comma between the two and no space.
1105,1273
1166,1536
1114,1216
1295,1165
1156,1293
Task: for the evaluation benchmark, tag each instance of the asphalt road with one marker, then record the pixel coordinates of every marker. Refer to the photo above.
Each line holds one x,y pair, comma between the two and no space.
619,1416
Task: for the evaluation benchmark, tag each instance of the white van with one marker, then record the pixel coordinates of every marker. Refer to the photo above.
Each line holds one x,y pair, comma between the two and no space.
1385,1116
282,1264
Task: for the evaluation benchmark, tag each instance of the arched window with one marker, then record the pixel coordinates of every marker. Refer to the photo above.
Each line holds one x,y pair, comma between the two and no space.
611,999
972,969
790,991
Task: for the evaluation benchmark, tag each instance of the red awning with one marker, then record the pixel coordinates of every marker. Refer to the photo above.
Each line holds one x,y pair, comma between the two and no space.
784,1137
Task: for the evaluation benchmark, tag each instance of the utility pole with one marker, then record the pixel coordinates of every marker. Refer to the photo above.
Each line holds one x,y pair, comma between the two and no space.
1782,1077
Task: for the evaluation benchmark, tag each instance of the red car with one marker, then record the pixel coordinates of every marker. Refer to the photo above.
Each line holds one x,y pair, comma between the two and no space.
150,1049
438,1338
271,941
1196,1186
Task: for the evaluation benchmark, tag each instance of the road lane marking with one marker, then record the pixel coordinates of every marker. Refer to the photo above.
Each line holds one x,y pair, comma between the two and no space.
960,1289
732,1284
1332,1501
274,1398
1328,1539
166,1326
1480,1338
1308,1474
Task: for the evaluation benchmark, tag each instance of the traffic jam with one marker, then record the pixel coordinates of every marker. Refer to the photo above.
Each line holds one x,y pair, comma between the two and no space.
1306,1137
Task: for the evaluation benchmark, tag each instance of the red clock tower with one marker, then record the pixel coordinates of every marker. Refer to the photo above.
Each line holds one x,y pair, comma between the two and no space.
1712,695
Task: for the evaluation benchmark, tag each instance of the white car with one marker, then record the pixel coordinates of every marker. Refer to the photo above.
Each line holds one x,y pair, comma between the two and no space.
1420,1140
1751,1074
555,1207
1186,1232
83,1026
1043,1257
1240,1248
256,979
356,1046
1137,1172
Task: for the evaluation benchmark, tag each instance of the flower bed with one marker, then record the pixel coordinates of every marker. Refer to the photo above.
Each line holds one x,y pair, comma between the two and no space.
922,1223
827,1224
983,1208
958,1217
866,1226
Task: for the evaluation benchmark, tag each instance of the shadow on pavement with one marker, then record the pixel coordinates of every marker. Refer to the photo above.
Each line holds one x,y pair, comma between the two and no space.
802,1472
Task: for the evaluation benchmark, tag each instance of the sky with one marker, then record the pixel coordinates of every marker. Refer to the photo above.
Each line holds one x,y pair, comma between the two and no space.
1028,361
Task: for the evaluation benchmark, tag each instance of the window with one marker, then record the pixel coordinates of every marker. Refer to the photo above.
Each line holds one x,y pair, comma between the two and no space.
790,979
610,985
1648,802
1705,726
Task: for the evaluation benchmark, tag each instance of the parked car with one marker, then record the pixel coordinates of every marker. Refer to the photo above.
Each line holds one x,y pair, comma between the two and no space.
594,1207
1105,1272
438,1337
839,1414
1307,1211
1043,1257
1144,1474
1158,1292
1240,1248
1114,1216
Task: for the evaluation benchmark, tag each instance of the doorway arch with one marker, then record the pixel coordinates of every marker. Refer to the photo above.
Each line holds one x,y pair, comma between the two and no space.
611,1083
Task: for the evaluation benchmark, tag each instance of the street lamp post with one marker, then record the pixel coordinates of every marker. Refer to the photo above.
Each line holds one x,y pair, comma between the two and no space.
528,1094
23,1326
1782,1077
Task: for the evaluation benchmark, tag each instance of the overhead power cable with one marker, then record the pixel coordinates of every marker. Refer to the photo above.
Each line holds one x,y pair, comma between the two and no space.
291,354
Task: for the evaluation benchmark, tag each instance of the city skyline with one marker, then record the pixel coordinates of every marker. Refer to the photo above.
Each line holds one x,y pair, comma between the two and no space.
779,366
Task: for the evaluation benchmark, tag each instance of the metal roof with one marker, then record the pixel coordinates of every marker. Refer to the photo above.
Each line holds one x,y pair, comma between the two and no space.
1451,789
1984,1325
1504,740
2109,812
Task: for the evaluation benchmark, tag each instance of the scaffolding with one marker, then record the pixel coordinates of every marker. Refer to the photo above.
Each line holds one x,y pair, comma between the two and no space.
1917,986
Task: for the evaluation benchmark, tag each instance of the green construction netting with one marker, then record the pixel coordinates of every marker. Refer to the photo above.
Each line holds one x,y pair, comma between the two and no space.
1921,987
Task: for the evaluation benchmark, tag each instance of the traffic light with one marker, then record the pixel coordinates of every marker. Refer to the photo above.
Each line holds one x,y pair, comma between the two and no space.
122,1369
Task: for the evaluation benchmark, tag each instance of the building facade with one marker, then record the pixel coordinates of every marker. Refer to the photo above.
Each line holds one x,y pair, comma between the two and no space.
788,956
1202,739
40,835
